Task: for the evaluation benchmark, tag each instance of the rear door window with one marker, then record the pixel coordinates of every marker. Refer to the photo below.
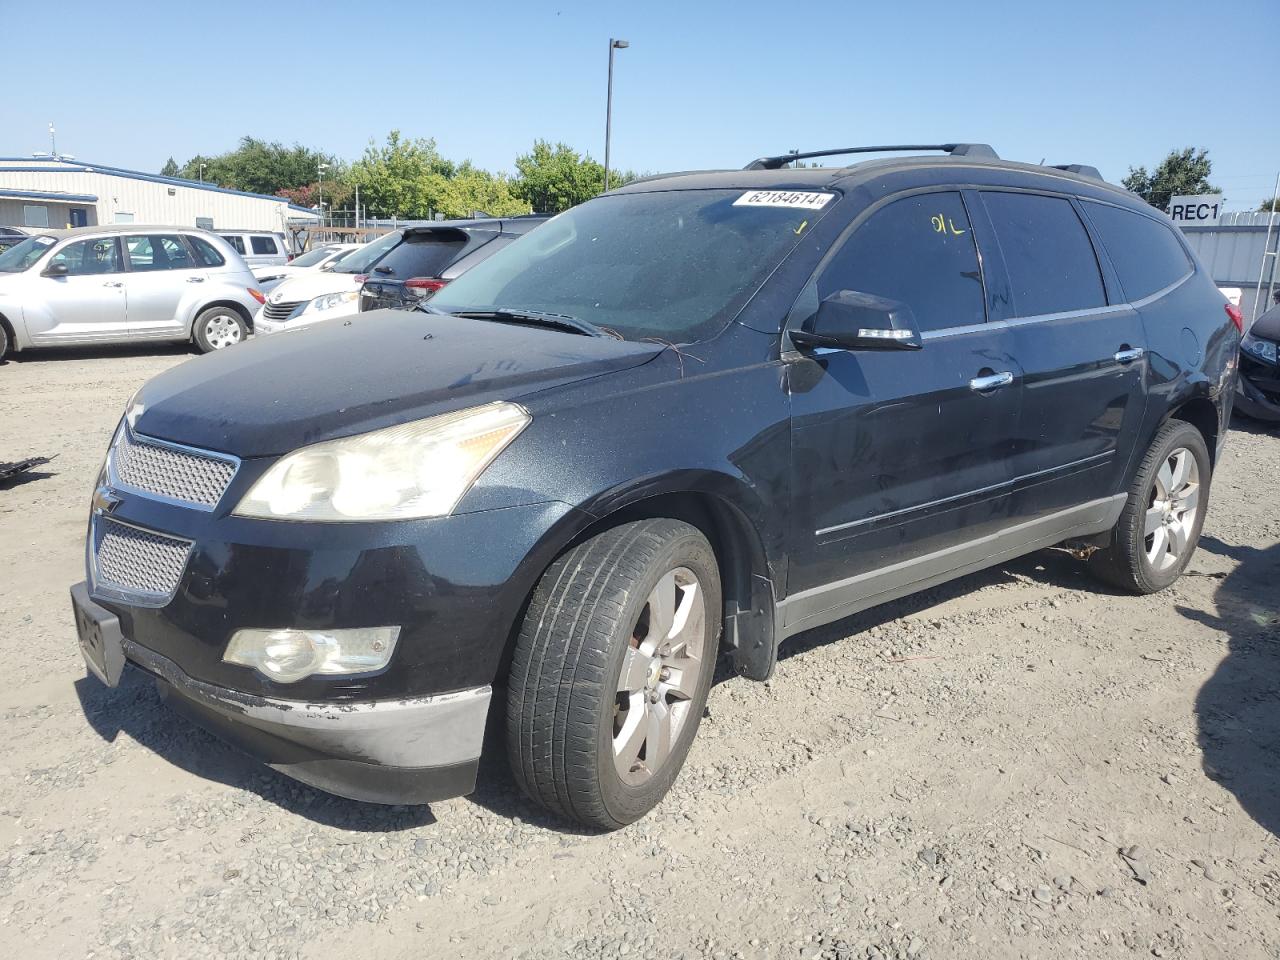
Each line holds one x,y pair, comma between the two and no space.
919,250
264,245
157,252
1146,254
1047,252
423,255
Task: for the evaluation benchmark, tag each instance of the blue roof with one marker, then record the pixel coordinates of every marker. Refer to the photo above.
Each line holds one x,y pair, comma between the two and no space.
47,195
73,166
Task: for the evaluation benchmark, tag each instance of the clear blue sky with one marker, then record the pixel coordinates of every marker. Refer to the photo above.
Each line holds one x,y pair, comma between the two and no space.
703,85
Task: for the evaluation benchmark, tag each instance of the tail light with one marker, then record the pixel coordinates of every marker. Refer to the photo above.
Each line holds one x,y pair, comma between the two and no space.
423,286
360,277
256,294
289,257
1236,315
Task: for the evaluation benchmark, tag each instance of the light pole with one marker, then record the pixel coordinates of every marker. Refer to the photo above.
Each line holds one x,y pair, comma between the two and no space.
202,173
608,108
322,168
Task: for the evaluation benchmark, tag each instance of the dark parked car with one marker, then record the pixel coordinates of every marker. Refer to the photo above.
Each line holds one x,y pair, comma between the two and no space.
455,247
700,414
1259,384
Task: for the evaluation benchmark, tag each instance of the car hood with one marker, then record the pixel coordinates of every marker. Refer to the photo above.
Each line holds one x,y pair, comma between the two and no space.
1267,326
312,284
349,375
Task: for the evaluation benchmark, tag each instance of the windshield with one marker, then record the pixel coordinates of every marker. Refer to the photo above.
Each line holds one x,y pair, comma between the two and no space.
674,265
21,256
363,258
312,257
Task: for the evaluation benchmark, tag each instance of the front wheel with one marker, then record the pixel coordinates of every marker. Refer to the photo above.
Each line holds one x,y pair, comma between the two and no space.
612,669
217,328
1158,530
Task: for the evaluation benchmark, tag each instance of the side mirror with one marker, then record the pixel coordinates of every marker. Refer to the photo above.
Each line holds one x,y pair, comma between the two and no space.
849,320
55,270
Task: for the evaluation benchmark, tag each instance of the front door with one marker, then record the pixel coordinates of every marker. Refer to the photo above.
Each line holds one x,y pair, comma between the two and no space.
899,458
163,279
1083,357
85,305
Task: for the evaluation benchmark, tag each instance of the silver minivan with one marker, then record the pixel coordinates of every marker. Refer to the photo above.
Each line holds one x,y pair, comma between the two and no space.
259,248
124,283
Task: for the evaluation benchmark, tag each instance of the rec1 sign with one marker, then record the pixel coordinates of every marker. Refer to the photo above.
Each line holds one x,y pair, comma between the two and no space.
1204,208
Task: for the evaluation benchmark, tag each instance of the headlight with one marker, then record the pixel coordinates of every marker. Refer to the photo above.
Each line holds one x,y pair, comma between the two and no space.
1261,349
286,656
413,470
327,302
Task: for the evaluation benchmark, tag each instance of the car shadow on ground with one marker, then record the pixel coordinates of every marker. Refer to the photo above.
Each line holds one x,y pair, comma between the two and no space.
104,352
1238,708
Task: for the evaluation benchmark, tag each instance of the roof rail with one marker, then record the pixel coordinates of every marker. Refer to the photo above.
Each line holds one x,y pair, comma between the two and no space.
1082,169
981,150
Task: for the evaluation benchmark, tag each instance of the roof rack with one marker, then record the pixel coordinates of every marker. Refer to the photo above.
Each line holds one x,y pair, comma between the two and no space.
1082,169
981,150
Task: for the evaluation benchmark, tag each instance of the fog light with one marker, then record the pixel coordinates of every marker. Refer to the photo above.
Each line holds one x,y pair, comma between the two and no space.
286,656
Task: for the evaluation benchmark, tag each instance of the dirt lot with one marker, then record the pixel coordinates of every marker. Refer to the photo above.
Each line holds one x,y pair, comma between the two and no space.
950,776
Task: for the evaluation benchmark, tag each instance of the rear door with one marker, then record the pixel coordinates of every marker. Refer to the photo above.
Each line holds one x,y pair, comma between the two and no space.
86,304
164,281
1082,350
900,458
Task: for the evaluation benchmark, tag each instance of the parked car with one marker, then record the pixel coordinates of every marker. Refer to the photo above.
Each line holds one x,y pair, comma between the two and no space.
699,414
123,283
10,236
413,251
450,248
317,258
260,248
1258,388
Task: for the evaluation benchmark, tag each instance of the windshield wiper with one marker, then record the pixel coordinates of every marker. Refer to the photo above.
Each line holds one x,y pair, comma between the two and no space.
561,321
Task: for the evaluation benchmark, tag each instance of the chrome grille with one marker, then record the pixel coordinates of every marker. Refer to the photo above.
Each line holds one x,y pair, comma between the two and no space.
280,311
175,473
135,563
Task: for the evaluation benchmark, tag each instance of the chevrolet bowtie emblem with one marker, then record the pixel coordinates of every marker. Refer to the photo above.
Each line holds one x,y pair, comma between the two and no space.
104,500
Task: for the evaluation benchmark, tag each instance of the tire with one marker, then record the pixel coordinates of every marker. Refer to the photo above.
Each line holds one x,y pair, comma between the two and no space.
1134,560
569,702
5,341
217,328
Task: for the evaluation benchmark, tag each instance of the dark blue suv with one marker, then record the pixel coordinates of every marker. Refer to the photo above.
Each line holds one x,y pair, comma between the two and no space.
697,415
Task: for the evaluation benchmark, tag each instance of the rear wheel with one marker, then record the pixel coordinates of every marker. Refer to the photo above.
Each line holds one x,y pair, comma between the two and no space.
217,328
612,669
4,341
1158,530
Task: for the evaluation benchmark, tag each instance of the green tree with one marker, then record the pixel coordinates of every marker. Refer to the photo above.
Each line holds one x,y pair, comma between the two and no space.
556,177
261,167
402,178
1183,172
170,169
1269,206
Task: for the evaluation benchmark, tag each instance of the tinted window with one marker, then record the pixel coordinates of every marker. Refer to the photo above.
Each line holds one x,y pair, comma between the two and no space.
147,253
236,242
264,244
920,251
423,255
1146,254
87,257
206,252
1050,259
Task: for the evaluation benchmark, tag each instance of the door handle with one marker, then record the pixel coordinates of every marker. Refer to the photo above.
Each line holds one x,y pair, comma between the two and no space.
112,283
993,381
1128,354
195,279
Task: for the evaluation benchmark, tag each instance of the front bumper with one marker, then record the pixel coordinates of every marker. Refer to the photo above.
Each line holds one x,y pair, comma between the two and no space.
1256,389
412,750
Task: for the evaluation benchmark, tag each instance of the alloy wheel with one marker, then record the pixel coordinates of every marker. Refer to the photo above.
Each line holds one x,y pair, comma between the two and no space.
1172,509
661,671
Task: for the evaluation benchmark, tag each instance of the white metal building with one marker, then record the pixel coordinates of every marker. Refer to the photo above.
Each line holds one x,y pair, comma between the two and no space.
61,192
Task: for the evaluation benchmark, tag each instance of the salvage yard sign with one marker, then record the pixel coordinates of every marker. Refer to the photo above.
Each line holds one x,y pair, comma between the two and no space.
1204,208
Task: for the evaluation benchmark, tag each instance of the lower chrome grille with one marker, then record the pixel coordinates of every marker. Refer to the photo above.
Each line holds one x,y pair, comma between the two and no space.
280,311
136,564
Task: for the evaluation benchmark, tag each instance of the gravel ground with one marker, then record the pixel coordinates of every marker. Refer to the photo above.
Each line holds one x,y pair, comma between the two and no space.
1018,764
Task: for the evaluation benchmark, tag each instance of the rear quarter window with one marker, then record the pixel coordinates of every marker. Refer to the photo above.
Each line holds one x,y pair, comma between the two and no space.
206,252
264,245
1145,252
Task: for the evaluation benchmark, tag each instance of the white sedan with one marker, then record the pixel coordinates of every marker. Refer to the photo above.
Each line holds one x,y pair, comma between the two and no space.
317,258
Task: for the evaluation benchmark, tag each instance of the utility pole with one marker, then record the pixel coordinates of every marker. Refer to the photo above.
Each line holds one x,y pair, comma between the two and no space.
608,107
53,142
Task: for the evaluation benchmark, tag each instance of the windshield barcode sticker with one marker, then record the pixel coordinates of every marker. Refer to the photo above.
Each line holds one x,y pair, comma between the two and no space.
797,199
